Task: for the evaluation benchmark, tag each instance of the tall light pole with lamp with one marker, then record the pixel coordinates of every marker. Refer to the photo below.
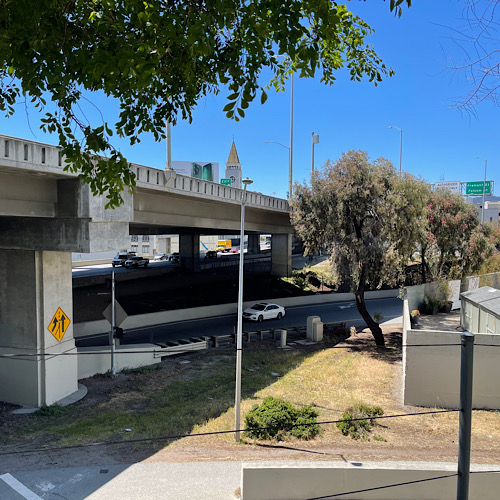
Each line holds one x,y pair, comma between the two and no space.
290,149
239,329
289,162
484,184
400,148
315,140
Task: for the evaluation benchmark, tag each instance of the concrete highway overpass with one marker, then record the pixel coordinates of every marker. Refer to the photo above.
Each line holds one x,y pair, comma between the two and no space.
46,213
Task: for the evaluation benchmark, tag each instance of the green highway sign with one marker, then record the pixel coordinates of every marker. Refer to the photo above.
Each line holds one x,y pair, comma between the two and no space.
225,182
477,187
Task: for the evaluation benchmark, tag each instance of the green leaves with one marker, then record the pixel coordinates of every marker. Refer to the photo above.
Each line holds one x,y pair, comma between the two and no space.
160,58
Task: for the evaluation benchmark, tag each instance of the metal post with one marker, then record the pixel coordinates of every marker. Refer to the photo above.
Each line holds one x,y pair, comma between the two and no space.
290,153
239,330
169,146
484,189
312,156
400,148
113,324
464,436
400,152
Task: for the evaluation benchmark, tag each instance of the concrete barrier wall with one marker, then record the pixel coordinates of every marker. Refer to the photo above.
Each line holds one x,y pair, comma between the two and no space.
301,481
432,374
162,317
93,360
416,294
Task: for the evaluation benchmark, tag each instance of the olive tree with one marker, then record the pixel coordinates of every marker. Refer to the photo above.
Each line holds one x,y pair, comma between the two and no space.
158,58
367,216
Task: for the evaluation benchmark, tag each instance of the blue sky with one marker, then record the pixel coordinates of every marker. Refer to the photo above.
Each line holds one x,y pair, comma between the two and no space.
439,142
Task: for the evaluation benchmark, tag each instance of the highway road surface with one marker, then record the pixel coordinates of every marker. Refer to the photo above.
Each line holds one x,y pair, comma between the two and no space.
339,312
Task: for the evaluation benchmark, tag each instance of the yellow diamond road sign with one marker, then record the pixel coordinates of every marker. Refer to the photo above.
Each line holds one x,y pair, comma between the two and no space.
59,324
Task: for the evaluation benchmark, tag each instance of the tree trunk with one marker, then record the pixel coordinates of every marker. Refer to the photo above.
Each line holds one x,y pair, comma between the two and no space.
422,254
370,322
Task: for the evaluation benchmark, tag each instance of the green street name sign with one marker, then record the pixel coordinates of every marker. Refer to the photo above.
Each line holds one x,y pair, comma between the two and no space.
225,182
477,187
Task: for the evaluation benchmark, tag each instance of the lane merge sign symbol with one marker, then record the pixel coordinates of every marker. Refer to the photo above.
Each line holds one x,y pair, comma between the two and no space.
59,324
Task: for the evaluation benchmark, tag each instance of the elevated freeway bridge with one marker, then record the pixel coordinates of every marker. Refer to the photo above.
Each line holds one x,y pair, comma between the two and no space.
46,213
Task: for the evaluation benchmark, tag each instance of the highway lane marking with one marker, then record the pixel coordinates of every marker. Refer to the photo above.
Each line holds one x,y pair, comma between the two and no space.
139,328
19,487
357,319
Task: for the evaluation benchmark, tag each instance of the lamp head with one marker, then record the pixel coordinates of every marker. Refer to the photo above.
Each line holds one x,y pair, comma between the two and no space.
247,181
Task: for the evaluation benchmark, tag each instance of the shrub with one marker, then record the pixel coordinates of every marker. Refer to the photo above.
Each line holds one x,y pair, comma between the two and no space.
358,421
49,411
277,419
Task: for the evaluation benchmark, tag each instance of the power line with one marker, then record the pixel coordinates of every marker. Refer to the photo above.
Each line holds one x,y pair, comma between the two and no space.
382,487
180,350
232,431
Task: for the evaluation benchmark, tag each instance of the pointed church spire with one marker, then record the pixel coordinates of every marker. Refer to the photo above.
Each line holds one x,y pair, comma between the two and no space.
233,155
233,167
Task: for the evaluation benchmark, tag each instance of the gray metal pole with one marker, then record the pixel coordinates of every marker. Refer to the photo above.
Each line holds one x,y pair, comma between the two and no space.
113,324
169,146
312,155
400,152
484,189
239,329
290,153
464,436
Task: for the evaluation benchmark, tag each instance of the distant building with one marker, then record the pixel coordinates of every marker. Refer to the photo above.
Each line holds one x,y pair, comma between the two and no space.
233,167
491,207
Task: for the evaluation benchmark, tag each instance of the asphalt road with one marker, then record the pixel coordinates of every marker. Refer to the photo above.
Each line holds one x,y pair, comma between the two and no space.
165,481
340,312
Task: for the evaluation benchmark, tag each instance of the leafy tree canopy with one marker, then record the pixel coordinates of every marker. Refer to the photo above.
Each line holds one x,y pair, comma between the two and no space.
454,242
158,58
366,215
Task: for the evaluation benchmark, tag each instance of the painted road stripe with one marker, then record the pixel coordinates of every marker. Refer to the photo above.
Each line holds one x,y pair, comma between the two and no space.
19,487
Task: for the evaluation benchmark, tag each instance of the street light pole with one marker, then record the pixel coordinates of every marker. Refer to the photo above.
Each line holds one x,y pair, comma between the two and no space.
400,148
290,153
315,140
239,329
289,165
169,146
484,184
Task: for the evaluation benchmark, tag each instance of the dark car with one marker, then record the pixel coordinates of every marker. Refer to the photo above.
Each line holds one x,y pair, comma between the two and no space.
136,261
211,254
121,258
174,257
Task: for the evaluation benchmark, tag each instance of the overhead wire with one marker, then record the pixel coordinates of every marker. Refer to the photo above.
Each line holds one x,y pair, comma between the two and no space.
231,431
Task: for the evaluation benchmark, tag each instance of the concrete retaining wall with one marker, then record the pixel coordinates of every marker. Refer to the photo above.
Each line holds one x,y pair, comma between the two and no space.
432,374
93,360
320,480
162,317
416,294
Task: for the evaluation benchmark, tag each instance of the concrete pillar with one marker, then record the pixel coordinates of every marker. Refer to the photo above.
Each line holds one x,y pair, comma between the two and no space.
281,254
36,319
311,320
254,243
189,251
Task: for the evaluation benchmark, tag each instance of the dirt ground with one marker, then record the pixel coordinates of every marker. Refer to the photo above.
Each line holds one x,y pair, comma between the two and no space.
431,441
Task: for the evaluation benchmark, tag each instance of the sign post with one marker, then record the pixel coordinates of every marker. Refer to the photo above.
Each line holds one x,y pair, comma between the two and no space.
113,324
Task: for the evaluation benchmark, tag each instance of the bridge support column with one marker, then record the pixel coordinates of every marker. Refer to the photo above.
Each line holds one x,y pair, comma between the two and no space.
281,255
253,243
36,320
189,251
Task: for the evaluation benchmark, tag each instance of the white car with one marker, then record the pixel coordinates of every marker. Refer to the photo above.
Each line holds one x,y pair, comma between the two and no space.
136,261
161,256
263,310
